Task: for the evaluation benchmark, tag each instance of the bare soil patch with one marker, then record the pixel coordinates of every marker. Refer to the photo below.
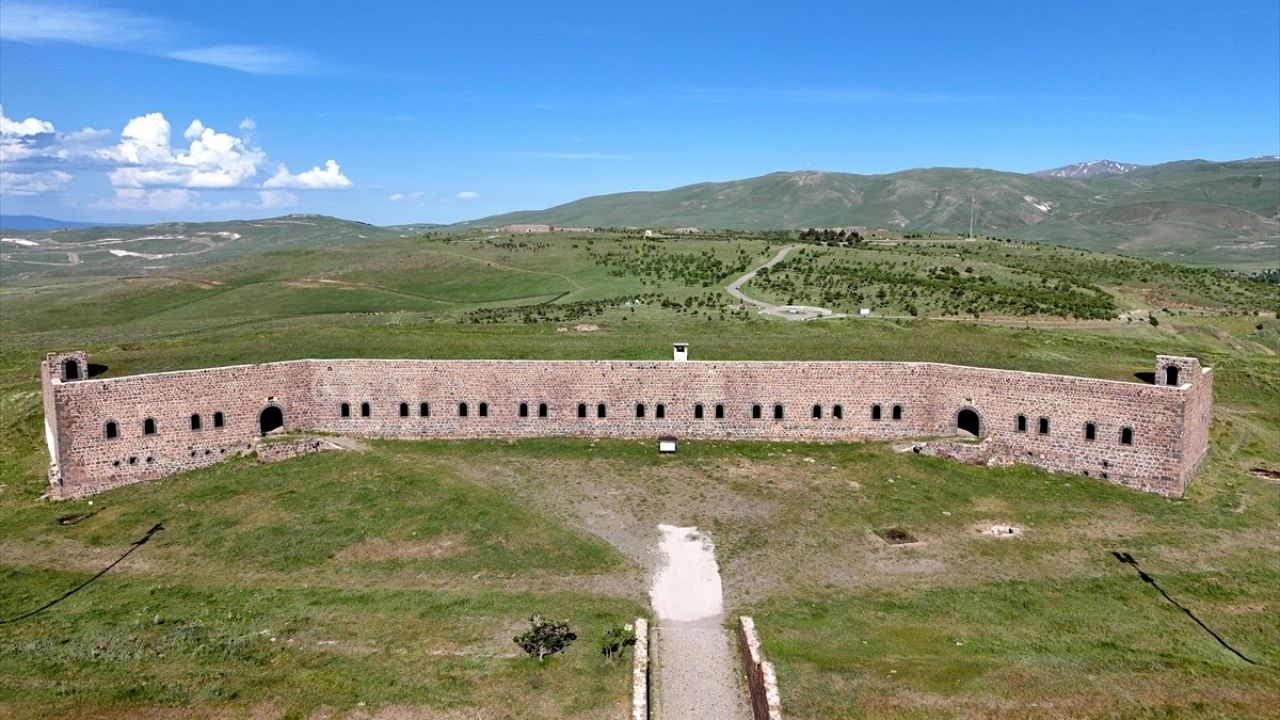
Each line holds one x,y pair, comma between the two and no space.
896,536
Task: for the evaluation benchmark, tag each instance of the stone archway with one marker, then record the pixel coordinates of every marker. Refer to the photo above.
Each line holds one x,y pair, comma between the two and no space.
968,420
271,418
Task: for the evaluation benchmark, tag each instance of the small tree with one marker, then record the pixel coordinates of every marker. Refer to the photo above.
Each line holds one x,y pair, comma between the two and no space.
614,640
545,637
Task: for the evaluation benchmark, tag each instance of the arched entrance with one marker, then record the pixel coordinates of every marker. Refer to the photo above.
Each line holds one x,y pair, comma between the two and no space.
968,420
271,418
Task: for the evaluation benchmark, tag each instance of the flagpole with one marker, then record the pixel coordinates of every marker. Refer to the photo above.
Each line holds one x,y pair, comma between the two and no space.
973,204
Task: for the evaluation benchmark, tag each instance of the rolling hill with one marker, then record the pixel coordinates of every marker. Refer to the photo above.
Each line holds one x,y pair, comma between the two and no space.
33,255
1224,214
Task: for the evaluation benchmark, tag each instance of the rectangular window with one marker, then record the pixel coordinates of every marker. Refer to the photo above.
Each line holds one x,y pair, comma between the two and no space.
345,410
1022,423
1090,431
1044,426
218,420
1126,436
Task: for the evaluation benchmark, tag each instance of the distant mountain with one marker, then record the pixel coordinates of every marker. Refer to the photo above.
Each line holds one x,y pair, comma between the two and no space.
1194,211
35,222
1093,168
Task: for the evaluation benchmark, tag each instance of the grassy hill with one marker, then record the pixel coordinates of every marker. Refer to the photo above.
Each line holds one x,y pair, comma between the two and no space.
388,582
33,256
1195,212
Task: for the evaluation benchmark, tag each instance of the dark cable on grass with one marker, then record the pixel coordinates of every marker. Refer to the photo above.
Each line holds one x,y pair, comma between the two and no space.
137,544
1128,559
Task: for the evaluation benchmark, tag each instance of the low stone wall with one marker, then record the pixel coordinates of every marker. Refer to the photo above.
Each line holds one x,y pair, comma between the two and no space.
640,672
762,681
280,450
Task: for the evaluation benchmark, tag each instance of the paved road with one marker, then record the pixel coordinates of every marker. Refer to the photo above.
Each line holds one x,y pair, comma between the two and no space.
798,313
697,673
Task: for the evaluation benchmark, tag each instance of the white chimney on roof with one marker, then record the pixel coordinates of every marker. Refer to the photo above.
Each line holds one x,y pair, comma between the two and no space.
681,351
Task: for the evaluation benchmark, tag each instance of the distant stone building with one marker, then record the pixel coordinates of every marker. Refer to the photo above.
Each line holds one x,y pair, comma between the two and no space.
686,230
526,228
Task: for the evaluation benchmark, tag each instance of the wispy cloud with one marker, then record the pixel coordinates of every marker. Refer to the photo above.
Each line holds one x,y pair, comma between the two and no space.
249,58
120,30
81,25
824,96
570,155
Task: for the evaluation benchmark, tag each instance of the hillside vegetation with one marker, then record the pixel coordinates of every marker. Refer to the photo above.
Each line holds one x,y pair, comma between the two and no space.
388,582
1193,212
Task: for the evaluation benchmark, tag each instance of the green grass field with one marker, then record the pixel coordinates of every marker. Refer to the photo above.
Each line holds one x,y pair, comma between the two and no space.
388,582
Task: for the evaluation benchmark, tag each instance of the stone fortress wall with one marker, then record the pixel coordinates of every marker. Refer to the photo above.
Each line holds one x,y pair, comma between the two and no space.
105,433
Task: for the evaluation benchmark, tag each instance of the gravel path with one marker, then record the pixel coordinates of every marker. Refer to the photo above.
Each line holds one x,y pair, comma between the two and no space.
697,670
790,312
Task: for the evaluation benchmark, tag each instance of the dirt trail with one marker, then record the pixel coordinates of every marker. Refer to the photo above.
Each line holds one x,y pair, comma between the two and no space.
790,312
697,673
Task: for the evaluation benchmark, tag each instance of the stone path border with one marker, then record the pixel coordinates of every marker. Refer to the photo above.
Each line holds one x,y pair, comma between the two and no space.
640,672
762,680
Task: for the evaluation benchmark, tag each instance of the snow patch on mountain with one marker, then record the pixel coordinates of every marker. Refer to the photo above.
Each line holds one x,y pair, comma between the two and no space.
1093,168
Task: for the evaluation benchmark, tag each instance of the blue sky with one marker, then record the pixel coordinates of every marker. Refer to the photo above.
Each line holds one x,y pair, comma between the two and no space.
435,112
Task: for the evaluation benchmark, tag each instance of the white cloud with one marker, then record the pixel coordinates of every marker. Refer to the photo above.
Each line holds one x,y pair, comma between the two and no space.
30,126
396,197
120,30
29,147
467,195
330,178
276,198
167,199
37,158
213,159
32,183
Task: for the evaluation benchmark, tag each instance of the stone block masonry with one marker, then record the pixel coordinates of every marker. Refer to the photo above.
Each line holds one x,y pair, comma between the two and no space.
108,432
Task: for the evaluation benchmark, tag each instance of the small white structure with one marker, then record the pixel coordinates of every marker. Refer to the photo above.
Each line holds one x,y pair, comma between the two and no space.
666,444
680,351
864,312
